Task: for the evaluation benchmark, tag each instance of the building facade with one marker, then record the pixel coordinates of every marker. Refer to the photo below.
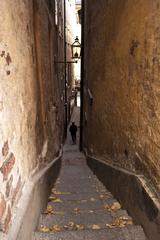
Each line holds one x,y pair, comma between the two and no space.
32,100
121,85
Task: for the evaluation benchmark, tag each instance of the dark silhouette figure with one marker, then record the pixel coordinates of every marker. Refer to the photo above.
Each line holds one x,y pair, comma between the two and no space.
73,131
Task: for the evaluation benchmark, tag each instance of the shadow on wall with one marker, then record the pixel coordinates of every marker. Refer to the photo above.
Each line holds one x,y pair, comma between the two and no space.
134,193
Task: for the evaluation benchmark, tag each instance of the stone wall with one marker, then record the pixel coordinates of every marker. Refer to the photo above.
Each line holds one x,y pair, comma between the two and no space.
31,96
122,125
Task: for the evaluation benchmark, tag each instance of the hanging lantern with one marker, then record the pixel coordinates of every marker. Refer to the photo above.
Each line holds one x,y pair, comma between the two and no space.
76,49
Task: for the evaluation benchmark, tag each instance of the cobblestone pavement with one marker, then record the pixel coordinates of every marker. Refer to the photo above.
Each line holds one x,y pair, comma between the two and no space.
80,207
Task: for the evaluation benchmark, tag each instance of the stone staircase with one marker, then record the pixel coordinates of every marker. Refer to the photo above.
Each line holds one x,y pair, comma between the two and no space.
80,207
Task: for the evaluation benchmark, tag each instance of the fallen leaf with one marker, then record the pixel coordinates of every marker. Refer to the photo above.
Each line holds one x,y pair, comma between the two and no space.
120,222
79,227
57,200
91,211
95,227
106,206
44,229
51,198
73,226
115,206
69,226
66,227
55,228
60,193
76,210
110,225
49,210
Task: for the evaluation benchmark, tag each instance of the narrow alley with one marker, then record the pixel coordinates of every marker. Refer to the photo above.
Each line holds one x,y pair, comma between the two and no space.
80,207
95,63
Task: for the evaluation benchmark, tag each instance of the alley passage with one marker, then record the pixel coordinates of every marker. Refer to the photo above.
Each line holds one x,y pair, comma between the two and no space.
80,207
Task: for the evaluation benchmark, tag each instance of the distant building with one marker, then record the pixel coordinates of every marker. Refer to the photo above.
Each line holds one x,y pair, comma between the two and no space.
78,11
78,33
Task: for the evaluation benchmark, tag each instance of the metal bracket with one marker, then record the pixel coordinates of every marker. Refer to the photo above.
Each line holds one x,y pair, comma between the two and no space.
90,97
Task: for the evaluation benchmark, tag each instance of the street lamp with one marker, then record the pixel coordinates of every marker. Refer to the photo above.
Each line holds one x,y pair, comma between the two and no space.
76,49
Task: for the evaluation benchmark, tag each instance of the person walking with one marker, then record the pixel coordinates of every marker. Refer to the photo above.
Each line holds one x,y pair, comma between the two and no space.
73,131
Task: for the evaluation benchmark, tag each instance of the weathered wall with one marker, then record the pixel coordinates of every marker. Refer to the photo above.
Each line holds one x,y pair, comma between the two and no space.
29,104
122,57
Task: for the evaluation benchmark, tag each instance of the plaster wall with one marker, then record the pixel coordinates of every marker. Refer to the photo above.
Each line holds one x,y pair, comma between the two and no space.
122,67
31,110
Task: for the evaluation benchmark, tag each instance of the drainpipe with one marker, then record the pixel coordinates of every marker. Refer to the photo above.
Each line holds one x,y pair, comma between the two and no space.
82,76
65,73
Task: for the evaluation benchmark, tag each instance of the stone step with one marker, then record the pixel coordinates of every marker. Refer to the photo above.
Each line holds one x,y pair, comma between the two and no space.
64,196
80,207
87,218
93,203
90,204
75,184
79,181
126,233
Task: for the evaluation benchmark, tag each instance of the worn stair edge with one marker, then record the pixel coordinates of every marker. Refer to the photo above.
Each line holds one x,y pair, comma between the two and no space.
137,196
64,217
89,219
70,206
126,233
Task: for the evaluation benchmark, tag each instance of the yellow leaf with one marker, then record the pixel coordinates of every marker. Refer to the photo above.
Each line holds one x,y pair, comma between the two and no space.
44,229
120,222
116,206
55,228
109,225
57,200
60,193
95,227
71,224
49,210
66,227
106,206
51,198
79,227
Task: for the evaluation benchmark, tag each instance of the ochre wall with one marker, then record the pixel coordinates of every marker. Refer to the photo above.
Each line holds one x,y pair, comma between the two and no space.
122,61
30,107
